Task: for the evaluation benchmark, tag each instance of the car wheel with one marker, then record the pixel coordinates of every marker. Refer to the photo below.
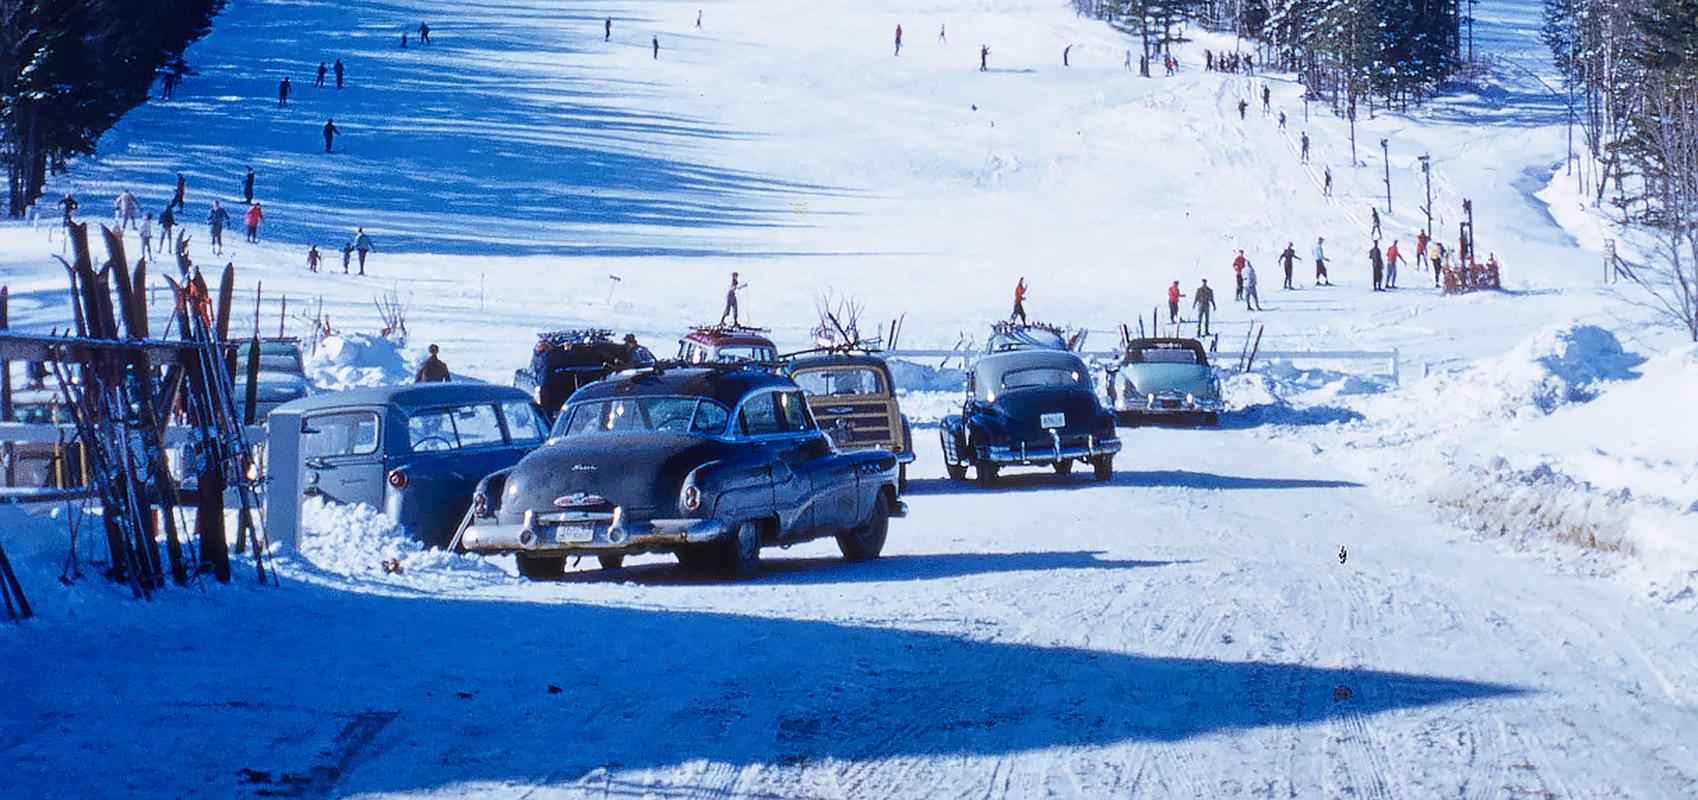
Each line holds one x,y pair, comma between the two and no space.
1063,467
612,561
956,472
987,472
1103,468
541,567
740,553
867,541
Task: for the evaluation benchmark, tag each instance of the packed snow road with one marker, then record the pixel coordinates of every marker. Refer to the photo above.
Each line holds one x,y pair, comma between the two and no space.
1188,629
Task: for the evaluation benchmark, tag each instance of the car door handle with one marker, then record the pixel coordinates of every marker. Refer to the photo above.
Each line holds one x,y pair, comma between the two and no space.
316,463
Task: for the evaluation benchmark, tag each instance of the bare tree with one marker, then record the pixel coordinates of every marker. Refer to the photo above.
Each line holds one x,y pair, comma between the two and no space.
1669,133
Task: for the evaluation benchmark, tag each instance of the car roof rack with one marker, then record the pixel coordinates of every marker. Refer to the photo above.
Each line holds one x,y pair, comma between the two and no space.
575,336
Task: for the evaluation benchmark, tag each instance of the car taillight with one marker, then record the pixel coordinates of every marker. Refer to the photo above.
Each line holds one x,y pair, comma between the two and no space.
692,498
398,479
480,505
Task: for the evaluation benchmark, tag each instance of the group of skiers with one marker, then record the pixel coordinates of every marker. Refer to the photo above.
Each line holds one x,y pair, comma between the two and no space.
360,243
1229,62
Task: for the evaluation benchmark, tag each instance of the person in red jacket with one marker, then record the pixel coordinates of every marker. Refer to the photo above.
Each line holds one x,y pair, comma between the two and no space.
1173,295
1019,302
253,219
1238,273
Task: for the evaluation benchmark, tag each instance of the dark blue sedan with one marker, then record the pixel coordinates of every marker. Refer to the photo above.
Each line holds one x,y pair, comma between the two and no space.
1029,408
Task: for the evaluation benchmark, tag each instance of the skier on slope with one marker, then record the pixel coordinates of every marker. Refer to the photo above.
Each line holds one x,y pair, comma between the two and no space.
656,43
347,254
424,34
1392,257
1204,302
253,218
330,131
984,54
1252,301
731,301
126,207
1238,263
1282,120
339,70
1242,105
180,198
283,89
607,30
1321,262
321,70
1303,144
1326,185
1267,98
167,221
1289,260
215,222
1019,302
1374,221
1377,261
147,234
314,260
248,186
898,40
362,245
1173,295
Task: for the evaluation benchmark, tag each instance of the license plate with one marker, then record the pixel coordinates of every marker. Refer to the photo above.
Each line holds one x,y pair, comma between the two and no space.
1055,420
574,534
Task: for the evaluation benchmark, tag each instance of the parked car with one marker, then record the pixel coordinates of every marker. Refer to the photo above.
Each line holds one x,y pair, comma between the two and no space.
1029,407
711,464
1165,380
853,399
41,464
282,375
415,451
724,345
562,361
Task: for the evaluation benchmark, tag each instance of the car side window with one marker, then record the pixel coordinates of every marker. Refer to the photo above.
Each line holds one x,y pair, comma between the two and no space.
348,433
523,423
760,415
431,431
477,425
795,411
710,418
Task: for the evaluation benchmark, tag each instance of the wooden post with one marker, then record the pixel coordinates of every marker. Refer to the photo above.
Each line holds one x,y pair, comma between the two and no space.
5,366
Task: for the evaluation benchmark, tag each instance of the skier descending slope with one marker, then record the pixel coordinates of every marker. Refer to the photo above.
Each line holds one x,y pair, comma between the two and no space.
1288,259
215,222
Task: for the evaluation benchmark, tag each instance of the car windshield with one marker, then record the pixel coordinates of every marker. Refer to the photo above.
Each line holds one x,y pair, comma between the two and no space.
1040,376
664,414
840,380
1165,355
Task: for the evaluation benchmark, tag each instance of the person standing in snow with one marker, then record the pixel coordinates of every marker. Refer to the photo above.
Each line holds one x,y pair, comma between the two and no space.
1436,253
126,207
347,254
698,19
179,199
1173,295
330,131
338,69
147,234
1421,249
1326,181
1392,257
984,53
424,34
1374,221
656,42
1303,143
321,70
432,370
283,89
1289,260
943,38
1019,302
1204,302
314,260
248,185
1252,301
1238,263
1267,99
1128,60
607,30
1064,52
215,222
1377,261
898,40
362,245
731,301
254,217
167,221
1242,105
67,206
1282,120
1321,262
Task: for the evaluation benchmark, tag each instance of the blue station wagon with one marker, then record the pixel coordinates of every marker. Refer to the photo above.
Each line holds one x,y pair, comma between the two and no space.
415,451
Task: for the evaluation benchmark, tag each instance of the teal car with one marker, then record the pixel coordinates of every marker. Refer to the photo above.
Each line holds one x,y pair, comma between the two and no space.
1165,380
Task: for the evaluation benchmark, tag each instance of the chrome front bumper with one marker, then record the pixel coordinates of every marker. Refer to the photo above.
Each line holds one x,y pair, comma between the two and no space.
1026,454
1170,404
589,533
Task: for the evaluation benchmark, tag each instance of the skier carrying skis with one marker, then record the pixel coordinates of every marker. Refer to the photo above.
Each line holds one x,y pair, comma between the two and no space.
253,218
1238,275
1019,302
362,245
1252,301
1321,262
1289,260
1205,304
731,301
1173,295
1392,257
432,370
147,234
215,221
126,207
1377,261
330,132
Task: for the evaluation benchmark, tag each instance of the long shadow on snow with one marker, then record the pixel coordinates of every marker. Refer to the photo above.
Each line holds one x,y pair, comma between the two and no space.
778,570
1035,479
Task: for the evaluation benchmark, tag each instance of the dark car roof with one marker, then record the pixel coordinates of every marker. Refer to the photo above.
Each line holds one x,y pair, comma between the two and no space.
1168,343
724,385
817,360
407,395
718,337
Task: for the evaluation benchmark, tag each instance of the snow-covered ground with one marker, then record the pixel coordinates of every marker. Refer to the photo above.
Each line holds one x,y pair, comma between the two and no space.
1186,630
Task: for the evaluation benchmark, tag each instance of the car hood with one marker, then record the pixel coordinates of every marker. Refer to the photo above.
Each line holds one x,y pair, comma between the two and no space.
641,472
1179,379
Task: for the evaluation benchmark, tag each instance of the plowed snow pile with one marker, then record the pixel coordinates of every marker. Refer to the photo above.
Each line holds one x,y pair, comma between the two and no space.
356,541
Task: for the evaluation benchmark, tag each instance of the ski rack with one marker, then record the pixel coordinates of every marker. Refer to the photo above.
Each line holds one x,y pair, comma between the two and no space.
566,336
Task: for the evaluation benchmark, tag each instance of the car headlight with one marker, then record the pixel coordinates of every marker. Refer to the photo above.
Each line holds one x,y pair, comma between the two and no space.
1190,399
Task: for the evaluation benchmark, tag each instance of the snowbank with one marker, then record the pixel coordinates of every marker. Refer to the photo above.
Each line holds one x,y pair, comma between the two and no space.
360,543
350,360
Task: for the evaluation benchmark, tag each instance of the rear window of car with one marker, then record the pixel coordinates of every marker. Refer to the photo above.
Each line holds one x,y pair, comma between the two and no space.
453,427
840,381
347,433
1165,355
1040,376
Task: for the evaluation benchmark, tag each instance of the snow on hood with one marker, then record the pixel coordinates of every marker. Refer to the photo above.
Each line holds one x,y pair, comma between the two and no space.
354,541
352,360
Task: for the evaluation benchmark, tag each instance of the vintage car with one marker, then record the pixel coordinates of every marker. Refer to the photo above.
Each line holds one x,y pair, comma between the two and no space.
44,462
564,360
1165,380
414,451
726,345
711,464
281,376
1029,407
853,399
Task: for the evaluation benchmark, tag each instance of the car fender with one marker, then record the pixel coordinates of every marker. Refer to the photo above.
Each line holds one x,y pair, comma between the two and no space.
735,488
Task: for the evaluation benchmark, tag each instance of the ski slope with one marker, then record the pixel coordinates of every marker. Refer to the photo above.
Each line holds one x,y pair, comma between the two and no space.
1296,605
